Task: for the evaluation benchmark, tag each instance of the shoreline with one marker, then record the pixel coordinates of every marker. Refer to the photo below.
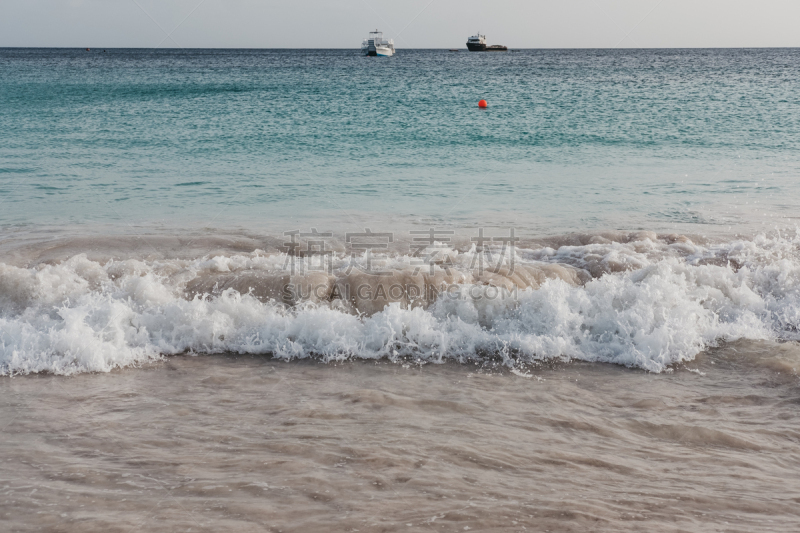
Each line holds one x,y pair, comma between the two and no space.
260,444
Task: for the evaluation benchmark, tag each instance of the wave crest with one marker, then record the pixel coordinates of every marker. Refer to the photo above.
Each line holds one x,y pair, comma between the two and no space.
648,302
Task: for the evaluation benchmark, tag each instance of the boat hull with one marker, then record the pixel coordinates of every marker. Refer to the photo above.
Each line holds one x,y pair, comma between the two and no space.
379,51
483,48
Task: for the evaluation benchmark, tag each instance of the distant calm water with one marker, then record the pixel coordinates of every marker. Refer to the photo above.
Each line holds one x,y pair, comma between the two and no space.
621,354
679,140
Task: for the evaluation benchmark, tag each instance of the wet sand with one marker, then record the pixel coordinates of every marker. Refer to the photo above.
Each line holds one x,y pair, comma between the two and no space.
247,443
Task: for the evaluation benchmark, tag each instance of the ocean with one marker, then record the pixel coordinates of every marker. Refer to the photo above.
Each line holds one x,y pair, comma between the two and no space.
300,290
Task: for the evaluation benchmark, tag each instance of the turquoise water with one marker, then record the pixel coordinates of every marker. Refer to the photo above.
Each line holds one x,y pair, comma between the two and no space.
630,365
146,196
704,141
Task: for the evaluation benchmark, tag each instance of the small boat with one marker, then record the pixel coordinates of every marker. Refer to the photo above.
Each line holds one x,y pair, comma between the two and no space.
376,45
477,43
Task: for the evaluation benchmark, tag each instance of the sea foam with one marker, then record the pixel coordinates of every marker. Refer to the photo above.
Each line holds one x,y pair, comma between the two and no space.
648,302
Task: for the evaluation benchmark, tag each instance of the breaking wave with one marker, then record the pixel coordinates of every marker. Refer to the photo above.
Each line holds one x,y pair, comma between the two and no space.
639,300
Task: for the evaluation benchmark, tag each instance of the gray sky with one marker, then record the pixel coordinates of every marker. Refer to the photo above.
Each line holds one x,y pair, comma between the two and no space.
412,23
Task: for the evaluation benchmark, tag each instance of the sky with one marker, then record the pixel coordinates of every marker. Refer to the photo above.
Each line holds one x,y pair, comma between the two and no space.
412,23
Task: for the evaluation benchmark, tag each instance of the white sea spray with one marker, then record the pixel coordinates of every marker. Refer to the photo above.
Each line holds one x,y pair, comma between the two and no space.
646,304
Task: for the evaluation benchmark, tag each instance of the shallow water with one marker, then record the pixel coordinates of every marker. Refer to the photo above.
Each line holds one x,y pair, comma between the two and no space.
620,357
255,444
274,140
164,201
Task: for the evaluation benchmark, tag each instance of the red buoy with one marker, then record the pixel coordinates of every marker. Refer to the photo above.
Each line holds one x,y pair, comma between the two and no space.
482,104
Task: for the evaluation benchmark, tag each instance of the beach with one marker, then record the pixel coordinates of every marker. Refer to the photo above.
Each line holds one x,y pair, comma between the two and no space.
253,444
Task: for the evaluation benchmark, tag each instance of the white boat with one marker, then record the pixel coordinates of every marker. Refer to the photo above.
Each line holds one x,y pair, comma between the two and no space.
376,45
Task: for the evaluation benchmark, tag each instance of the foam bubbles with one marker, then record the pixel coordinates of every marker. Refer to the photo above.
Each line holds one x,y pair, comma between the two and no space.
648,303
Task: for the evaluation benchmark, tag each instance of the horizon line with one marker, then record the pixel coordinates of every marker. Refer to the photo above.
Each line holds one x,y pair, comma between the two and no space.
93,47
